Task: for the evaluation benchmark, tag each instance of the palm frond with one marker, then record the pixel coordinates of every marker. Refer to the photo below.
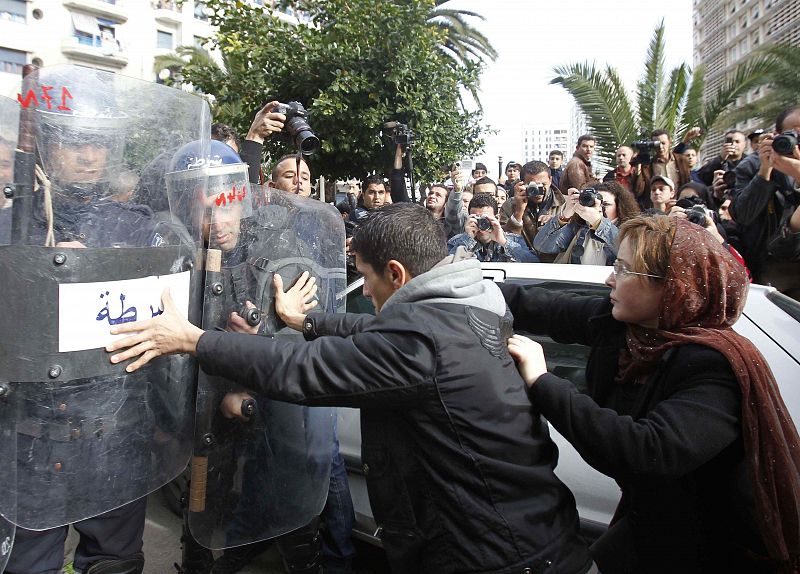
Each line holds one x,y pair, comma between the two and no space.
602,99
672,100
650,85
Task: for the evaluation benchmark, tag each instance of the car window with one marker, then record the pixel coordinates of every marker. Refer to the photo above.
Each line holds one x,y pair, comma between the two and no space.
567,361
356,302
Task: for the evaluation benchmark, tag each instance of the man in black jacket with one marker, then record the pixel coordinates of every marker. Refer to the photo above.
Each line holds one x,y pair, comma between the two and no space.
762,199
460,475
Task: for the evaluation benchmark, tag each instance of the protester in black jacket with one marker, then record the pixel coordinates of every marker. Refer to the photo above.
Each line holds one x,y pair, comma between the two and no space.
683,412
460,475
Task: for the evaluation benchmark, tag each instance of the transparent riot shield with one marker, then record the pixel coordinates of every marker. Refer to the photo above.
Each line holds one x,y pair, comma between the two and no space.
93,245
259,478
9,123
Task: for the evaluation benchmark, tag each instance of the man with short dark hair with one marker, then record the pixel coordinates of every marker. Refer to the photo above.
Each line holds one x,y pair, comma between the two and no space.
479,171
762,199
291,175
524,215
226,134
459,469
484,237
556,160
578,172
733,151
373,196
666,162
512,175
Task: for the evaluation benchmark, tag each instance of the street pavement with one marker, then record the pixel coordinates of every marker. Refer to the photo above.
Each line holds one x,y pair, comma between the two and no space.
162,543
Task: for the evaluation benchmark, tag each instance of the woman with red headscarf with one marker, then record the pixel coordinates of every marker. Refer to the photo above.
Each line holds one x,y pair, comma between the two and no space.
680,410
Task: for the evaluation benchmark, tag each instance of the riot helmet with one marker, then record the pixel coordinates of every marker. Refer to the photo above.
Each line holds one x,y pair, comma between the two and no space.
80,132
209,190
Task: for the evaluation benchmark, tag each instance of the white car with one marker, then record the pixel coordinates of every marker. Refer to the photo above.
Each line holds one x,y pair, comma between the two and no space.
770,320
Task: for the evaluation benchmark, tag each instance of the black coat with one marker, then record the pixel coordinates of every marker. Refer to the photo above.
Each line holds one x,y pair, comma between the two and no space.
673,445
460,475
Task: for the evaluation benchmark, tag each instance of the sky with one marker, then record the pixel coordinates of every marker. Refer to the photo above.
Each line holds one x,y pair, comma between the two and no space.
532,37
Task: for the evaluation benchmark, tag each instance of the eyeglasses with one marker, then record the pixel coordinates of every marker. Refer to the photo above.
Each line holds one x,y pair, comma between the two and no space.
621,269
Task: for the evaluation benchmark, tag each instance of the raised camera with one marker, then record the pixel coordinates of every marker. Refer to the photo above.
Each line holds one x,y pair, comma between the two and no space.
534,190
643,149
785,143
483,223
697,215
589,196
296,125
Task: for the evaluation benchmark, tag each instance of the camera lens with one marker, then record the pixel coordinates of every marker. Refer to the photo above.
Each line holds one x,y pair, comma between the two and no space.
587,198
785,143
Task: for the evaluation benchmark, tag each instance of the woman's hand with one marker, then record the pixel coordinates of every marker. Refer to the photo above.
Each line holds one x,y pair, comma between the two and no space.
529,356
292,305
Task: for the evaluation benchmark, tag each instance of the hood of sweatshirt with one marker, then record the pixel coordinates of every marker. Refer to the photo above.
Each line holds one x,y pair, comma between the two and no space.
458,279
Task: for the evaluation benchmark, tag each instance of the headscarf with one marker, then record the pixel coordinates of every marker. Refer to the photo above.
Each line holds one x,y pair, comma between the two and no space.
705,290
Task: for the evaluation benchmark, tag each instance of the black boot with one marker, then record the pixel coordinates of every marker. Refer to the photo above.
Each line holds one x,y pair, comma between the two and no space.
234,559
301,549
130,565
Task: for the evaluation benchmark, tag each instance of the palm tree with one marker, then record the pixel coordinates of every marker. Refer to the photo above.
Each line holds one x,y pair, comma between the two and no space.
779,64
462,41
672,101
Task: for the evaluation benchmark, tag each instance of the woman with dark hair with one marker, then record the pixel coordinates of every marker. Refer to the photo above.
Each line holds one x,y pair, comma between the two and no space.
619,204
680,410
586,234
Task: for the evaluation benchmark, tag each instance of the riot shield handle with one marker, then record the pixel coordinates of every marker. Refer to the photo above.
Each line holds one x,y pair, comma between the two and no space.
24,163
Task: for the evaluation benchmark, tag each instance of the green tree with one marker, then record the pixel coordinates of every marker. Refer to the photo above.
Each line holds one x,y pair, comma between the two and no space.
354,67
664,100
779,64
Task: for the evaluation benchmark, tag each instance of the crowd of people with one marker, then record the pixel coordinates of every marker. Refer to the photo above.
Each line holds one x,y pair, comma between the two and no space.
678,408
746,198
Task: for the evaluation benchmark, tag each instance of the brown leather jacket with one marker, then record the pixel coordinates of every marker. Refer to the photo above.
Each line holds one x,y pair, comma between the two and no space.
641,187
577,173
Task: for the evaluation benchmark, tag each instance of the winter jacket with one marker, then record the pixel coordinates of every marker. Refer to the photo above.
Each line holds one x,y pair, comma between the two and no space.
577,173
595,246
552,205
673,444
758,206
460,475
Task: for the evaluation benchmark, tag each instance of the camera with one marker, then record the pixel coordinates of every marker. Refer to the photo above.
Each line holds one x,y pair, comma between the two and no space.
297,127
535,190
785,143
483,223
588,197
729,139
401,134
697,215
643,149
729,178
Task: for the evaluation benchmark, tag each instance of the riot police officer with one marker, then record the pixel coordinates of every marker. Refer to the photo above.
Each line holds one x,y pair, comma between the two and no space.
90,442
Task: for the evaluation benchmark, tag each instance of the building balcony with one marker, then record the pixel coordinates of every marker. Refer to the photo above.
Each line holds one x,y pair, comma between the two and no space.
94,52
111,9
166,12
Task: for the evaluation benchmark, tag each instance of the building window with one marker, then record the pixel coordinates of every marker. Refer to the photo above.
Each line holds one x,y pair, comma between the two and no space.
13,10
200,11
11,61
163,40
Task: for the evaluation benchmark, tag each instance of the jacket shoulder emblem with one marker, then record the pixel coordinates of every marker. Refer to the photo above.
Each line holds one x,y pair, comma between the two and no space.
493,338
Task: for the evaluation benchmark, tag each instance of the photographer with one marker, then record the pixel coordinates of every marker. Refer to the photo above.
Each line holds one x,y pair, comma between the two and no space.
582,234
484,237
667,162
763,200
731,154
534,202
